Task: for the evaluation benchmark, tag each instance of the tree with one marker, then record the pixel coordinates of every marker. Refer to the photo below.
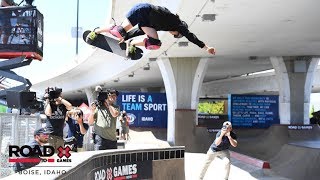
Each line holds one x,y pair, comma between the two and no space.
312,111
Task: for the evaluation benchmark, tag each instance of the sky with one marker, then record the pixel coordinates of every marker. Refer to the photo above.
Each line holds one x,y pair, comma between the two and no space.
315,101
59,46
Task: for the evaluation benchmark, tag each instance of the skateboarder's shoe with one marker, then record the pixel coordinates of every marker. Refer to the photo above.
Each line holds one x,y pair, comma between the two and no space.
91,37
118,32
130,49
112,45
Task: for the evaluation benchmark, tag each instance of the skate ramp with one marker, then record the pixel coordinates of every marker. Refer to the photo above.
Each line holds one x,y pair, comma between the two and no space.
265,144
147,138
297,162
292,153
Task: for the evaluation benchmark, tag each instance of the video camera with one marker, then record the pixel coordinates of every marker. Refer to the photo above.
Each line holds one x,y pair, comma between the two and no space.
103,95
53,93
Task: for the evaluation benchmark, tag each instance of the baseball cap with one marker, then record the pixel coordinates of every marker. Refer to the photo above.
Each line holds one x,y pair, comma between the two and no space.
226,124
42,131
113,91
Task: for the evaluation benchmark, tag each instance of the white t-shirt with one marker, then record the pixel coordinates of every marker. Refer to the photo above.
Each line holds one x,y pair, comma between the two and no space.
65,130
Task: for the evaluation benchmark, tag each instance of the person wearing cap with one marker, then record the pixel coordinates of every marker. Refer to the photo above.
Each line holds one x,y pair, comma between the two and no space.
103,118
41,137
219,148
150,19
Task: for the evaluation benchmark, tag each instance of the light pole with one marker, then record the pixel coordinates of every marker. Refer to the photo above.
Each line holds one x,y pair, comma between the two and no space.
77,36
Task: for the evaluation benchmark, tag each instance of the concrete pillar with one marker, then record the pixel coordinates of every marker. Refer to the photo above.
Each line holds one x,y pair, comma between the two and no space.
171,93
311,72
284,89
183,78
295,78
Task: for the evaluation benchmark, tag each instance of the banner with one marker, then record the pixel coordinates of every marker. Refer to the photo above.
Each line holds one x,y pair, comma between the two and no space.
145,109
212,112
122,171
256,111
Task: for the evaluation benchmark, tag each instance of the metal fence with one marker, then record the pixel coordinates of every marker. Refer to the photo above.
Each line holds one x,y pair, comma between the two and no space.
14,130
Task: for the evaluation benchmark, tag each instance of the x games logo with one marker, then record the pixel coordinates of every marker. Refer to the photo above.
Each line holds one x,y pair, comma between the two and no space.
64,152
28,154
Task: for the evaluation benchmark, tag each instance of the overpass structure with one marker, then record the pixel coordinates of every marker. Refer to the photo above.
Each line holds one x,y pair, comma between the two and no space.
249,36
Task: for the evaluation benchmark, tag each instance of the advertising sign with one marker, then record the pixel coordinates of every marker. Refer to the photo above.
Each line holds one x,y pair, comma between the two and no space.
145,109
257,111
130,170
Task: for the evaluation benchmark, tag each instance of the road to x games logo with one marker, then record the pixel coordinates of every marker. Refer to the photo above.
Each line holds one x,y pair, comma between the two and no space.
37,154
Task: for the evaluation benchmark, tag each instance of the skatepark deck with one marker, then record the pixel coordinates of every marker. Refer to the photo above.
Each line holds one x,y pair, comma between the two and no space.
292,153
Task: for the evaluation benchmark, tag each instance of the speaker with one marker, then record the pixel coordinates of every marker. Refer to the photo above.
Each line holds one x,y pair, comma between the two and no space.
22,99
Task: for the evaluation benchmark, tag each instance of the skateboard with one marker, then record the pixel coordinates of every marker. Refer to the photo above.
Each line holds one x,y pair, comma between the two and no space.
112,45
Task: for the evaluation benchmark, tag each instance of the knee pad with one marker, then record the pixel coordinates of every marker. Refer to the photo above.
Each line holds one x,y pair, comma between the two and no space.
151,43
118,32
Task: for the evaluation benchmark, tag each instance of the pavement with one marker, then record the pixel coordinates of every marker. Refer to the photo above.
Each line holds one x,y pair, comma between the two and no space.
238,170
194,161
292,154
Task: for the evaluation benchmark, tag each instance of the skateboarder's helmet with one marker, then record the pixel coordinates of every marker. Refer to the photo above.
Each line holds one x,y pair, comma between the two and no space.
185,25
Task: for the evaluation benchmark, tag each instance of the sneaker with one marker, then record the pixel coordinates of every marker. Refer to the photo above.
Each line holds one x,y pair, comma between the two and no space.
118,31
131,49
91,37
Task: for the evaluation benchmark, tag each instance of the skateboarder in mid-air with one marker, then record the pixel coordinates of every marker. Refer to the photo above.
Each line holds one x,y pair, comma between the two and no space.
150,19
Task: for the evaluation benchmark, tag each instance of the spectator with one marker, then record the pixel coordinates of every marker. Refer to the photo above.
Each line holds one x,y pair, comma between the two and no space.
5,24
124,120
77,127
103,117
41,137
55,110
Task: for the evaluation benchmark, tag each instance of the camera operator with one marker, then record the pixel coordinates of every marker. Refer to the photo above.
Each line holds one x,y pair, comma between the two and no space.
77,128
104,116
56,109
220,148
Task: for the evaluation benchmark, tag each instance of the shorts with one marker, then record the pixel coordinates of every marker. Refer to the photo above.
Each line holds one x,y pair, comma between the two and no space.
125,130
139,14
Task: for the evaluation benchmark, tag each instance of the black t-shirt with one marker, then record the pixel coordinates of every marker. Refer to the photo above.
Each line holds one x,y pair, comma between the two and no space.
55,122
225,143
22,166
75,131
161,19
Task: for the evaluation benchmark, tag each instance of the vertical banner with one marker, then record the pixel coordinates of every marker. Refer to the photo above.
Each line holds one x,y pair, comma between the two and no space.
256,111
145,109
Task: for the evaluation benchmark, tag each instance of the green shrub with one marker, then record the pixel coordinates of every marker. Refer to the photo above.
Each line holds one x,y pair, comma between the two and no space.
211,107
